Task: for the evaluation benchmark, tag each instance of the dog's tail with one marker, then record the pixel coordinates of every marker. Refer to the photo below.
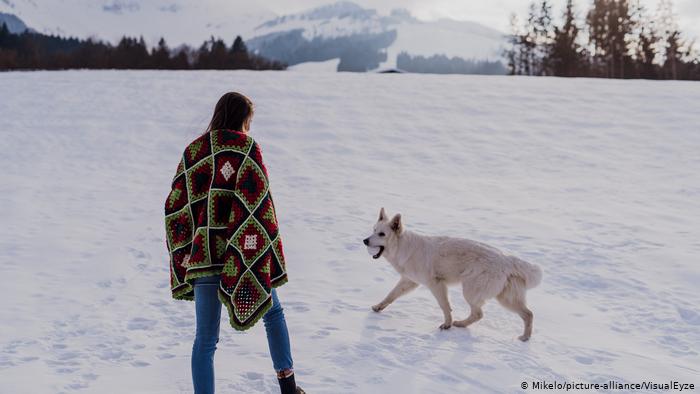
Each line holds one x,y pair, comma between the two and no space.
531,273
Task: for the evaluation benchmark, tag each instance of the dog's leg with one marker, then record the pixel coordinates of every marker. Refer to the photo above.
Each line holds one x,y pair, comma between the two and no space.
439,290
475,315
513,298
401,288
527,317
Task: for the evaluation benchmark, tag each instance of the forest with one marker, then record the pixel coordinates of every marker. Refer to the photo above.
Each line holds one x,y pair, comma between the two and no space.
36,51
612,39
442,64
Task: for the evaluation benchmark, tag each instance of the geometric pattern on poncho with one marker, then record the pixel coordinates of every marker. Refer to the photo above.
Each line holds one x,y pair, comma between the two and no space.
220,220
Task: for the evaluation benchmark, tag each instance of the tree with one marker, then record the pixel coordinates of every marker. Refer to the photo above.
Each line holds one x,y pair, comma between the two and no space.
646,68
673,55
213,54
610,31
181,61
528,42
646,41
543,35
238,55
239,46
566,55
4,34
130,53
669,39
8,57
160,56
514,41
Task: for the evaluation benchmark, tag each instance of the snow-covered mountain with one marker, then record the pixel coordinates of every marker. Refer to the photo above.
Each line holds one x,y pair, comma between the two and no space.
346,23
13,23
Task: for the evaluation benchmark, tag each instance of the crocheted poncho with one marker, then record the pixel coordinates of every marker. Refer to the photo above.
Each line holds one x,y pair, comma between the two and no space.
220,220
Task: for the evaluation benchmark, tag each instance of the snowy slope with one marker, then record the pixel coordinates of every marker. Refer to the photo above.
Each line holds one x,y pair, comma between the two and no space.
13,23
596,181
468,40
338,19
179,21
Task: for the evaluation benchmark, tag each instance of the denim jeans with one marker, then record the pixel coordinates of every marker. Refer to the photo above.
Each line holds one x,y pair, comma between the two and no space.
208,312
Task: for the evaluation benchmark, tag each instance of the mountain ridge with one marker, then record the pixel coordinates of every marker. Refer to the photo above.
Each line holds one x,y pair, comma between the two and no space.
288,38
362,38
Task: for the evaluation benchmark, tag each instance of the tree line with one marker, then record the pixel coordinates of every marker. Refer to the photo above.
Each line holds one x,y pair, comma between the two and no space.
35,51
441,64
615,39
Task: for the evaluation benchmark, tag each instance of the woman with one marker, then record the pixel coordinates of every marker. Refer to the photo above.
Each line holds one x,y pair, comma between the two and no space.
224,243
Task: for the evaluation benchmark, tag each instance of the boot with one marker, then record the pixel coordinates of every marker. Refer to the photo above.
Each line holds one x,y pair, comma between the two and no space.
288,385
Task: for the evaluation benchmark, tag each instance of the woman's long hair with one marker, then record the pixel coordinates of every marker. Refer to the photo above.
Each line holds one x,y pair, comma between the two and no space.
231,112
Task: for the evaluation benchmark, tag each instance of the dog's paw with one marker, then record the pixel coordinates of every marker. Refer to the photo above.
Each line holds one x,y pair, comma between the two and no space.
460,323
378,308
524,338
445,326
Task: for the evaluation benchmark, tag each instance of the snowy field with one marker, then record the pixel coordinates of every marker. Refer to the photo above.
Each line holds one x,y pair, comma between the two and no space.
596,181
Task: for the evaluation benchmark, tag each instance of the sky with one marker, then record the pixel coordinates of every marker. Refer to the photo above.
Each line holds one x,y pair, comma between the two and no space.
493,13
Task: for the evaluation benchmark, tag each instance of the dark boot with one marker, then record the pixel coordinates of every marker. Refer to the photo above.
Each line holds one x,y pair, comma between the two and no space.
289,386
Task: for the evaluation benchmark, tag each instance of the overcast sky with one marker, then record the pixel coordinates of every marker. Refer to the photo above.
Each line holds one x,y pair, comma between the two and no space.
493,13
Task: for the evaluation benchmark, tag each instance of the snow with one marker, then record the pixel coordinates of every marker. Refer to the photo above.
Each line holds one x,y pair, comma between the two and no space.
596,181
467,40
316,67
331,27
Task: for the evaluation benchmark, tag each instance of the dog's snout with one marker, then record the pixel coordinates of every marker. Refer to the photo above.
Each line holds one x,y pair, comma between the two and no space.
365,241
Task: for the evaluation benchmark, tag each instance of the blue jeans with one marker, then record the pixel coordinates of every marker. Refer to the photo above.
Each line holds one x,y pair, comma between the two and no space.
208,311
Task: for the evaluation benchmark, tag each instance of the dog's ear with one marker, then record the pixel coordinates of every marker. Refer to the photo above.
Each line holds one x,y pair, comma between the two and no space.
382,214
396,224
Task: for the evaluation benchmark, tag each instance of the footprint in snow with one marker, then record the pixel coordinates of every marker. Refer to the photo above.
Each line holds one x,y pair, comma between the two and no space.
140,323
690,317
320,334
139,254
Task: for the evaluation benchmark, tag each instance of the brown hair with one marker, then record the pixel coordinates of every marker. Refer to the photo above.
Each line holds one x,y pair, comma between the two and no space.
231,112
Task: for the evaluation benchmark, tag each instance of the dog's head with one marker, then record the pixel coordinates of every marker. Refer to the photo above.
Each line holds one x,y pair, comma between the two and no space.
385,234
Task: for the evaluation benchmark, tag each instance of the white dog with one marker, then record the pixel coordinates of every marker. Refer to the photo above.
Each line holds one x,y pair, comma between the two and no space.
436,262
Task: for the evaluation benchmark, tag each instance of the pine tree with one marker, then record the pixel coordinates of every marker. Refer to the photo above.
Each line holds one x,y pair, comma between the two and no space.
219,55
646,54
645,43
567,58
141,57
543,33
8,55
238,55
528,43
669,39
4,34
511,53
673,55
160,56
610,28
239,46
181,60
